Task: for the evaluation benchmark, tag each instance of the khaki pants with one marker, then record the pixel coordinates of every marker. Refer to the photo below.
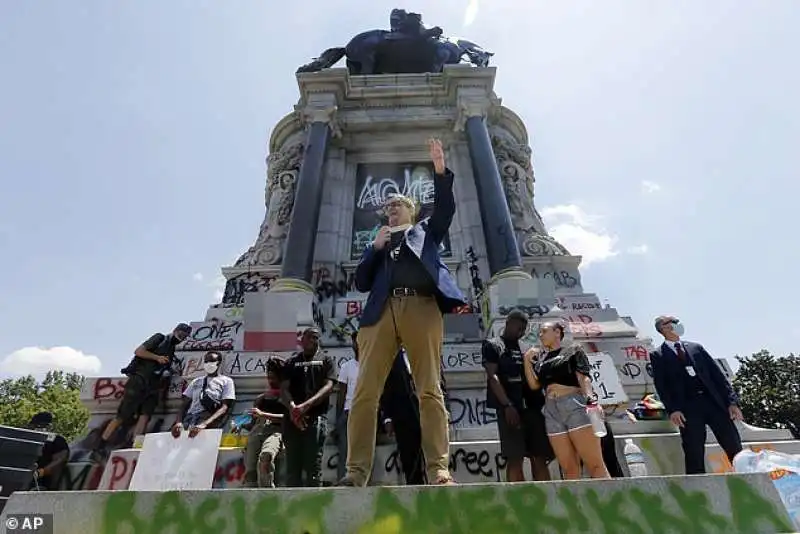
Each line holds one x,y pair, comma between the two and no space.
264,444
418,323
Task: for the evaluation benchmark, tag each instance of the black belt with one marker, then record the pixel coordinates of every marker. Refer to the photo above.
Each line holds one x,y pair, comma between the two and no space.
408,292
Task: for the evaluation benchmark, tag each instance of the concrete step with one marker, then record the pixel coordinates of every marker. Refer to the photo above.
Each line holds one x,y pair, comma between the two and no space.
730,504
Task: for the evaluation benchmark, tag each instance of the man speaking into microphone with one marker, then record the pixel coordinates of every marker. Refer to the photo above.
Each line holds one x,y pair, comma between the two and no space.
409,289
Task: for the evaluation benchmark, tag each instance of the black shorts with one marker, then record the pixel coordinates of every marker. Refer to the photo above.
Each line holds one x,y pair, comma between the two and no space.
140,397
527,440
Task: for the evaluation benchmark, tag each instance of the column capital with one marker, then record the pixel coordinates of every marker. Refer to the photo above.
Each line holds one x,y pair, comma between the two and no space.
325,114
468,109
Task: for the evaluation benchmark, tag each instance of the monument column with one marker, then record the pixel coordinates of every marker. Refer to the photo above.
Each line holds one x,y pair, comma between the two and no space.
301,238
502,252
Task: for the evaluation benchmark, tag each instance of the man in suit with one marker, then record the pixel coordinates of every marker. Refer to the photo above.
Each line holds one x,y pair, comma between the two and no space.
409,289
695,394
399,415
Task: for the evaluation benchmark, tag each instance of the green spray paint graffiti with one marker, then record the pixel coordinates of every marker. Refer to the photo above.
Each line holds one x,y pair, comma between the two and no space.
480,509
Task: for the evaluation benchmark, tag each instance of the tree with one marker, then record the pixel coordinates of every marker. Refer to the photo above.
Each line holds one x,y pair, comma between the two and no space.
58,393
769,390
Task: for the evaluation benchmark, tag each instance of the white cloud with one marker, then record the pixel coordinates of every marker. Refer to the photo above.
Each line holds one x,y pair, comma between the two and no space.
219,287
471,12
197,277
649,187
580,232
37,361
638,249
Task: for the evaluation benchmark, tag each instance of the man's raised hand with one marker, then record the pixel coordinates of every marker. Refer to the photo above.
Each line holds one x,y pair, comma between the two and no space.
437,155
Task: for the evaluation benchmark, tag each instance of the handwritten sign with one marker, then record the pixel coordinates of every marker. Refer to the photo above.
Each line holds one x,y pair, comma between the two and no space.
185,463
605,379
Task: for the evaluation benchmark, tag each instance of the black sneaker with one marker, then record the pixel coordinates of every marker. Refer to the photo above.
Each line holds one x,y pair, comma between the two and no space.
347,482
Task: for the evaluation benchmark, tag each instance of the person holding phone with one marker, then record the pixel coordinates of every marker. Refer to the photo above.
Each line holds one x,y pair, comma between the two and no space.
409,289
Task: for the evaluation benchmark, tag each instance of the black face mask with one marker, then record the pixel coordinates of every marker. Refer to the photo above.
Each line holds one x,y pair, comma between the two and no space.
175,340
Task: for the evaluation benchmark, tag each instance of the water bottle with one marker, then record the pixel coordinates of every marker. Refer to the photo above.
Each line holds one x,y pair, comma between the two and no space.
635,459
595,413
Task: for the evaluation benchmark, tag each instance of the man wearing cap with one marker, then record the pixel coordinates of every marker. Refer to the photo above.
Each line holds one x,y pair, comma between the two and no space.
409,289
695,393
54,455
306,384
148,374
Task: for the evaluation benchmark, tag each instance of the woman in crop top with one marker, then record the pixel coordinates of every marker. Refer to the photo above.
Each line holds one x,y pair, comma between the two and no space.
563,374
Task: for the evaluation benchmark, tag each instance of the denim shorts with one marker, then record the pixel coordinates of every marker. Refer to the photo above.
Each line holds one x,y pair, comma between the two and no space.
564,414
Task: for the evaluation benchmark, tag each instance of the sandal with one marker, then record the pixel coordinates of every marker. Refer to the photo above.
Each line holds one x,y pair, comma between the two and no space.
444,480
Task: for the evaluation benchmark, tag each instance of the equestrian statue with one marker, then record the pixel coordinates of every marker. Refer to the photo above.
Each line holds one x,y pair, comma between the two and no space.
409,47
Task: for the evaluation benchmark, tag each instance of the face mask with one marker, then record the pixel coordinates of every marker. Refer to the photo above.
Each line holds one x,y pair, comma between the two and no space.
210,367
678,329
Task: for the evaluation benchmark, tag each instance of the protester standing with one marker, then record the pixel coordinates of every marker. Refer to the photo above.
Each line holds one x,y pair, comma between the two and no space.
348,375
265,440
148,375
399,413
563,374
307,383
207,400
695,394
54,455
409,288
520,423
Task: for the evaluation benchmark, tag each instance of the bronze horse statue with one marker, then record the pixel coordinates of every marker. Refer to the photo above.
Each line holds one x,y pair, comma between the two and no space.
409,47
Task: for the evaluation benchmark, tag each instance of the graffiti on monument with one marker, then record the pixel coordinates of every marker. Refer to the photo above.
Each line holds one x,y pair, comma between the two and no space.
214,334
237,286
374,183
664,506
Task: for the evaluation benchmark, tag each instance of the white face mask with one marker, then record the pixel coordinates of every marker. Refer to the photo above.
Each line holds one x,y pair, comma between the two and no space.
210,367
678,329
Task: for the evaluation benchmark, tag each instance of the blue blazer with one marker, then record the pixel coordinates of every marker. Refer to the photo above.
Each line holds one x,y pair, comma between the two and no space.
424,240
669,375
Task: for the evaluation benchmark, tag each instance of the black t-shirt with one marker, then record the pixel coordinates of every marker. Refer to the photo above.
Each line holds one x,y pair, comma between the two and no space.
49,450
306,376
407,270
507,354
557,368
161,345
271,404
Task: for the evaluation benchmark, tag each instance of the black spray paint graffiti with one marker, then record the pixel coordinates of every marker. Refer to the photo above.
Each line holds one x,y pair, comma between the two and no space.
537,310
560,278
478,463
633,370
329,286
216,335
237,286
466,412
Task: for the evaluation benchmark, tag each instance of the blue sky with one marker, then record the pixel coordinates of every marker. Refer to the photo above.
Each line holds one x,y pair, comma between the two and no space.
133,138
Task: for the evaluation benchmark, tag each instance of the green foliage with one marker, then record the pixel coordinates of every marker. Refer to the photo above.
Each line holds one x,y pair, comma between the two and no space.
769,388
58,393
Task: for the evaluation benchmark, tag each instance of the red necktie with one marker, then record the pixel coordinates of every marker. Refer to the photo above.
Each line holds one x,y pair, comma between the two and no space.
680,352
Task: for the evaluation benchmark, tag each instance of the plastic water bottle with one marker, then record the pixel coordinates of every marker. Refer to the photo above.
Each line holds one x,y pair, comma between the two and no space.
595,413
635,459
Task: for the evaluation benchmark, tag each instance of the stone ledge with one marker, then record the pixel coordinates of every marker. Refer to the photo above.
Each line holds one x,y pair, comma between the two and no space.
746,504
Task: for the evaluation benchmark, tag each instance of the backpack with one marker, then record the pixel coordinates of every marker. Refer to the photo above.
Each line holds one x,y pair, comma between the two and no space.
137,364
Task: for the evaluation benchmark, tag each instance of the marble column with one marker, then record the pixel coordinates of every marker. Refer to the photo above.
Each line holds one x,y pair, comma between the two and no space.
502,252
301,239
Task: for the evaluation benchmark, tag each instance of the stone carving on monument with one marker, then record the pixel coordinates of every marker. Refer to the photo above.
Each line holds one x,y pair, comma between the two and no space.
282,169
408,47
516,171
